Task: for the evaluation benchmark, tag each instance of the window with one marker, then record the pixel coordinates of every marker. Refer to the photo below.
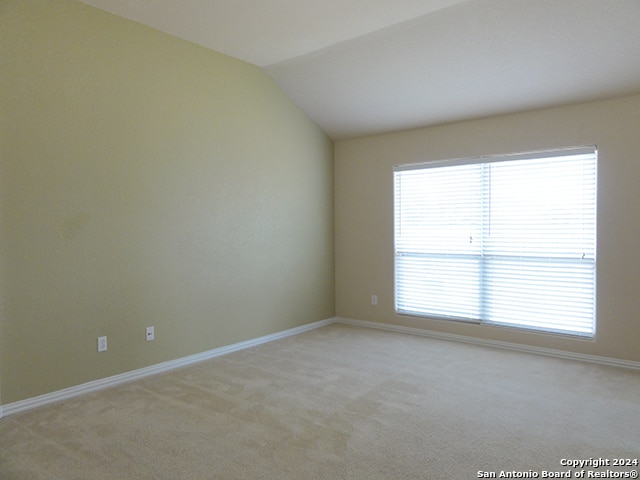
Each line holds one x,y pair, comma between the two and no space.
505,240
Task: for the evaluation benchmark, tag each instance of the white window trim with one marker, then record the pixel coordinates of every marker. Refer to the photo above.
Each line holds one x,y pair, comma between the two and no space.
543,154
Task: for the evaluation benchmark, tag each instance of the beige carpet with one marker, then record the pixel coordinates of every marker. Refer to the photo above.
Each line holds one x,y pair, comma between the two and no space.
339,402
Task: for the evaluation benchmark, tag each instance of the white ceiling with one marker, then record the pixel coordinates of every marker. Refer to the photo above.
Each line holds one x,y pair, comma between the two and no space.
360,67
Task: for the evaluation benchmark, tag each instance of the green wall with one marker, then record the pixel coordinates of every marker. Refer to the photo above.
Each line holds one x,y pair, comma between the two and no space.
145,181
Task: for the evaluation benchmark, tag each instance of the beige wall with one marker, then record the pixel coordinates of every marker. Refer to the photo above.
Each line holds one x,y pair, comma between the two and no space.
364,215
147,181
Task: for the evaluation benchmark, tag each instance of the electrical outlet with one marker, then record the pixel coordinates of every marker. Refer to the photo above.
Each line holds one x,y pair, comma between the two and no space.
102,344
374,300
150,334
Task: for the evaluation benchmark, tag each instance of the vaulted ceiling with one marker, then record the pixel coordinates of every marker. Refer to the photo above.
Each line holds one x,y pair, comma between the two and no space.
360,67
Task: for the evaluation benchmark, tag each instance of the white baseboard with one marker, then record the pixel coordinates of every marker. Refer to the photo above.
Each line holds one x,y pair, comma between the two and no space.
549,352
48,398
103,383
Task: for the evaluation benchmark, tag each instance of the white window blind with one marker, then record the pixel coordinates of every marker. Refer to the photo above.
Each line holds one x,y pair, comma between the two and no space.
507,240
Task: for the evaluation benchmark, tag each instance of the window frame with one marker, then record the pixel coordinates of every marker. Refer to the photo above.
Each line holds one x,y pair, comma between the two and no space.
590,150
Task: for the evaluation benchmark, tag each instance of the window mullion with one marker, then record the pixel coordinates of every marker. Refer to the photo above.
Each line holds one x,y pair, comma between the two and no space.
485,225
